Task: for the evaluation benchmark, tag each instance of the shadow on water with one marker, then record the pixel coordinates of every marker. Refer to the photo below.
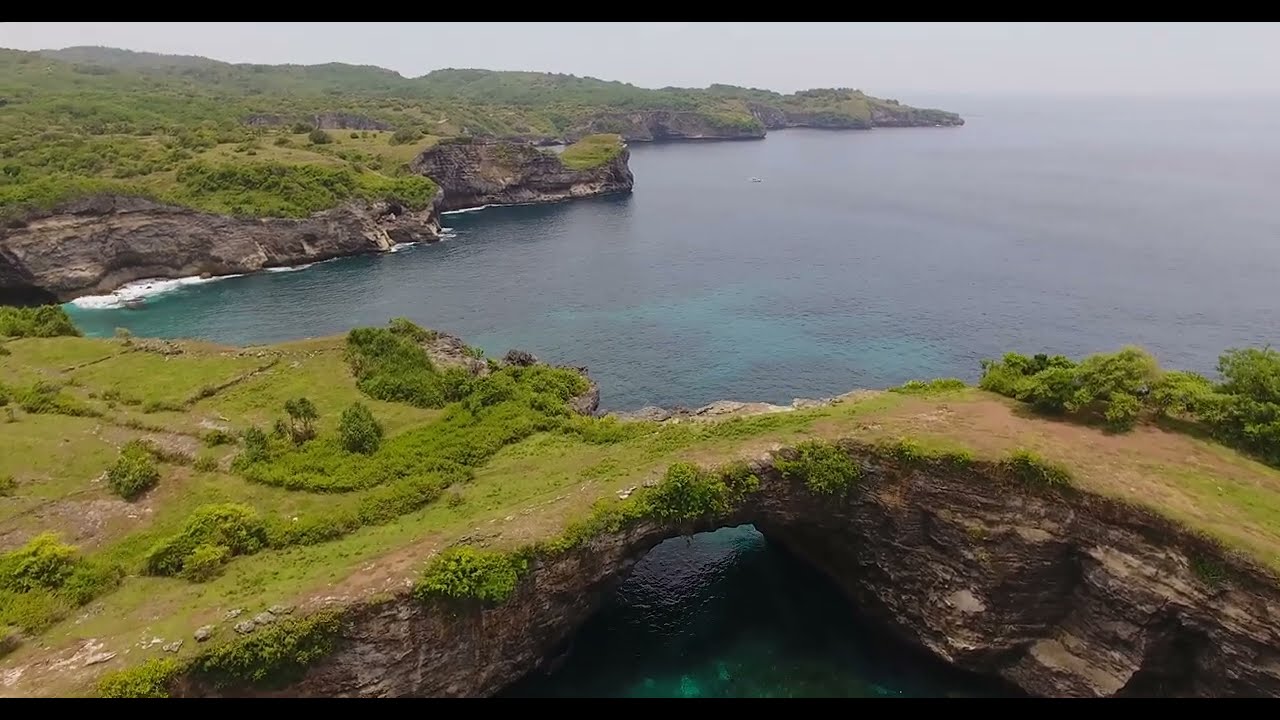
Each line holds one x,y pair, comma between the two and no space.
728,614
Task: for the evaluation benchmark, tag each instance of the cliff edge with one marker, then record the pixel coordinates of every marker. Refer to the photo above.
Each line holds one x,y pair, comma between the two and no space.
94,245
473,172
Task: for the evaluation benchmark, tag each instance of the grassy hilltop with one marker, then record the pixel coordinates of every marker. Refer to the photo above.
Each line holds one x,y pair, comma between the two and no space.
239,138
148,487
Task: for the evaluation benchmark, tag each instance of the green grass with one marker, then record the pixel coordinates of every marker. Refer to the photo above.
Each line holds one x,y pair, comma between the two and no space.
591,151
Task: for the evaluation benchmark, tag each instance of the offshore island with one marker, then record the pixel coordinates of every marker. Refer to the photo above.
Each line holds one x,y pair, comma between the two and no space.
391,513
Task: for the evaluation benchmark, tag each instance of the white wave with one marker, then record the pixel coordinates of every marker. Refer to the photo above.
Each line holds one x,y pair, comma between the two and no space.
467,210
400,246
289,268
140,289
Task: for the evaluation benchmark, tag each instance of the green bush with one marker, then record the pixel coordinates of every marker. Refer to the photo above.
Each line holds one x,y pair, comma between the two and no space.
468,574
8,486
134,471
1034,469
206,463
255,444
1179,393
151,679
359,429
205,562
824,468
272,656
404,136
44,563
41,582
302,417
47,399
43,321
319,137
929,387
686,493
217,437
237,528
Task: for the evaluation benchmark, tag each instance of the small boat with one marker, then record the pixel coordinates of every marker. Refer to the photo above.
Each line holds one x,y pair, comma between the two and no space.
756,179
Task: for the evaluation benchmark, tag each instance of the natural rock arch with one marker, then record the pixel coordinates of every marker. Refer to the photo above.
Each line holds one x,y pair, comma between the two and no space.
1060,593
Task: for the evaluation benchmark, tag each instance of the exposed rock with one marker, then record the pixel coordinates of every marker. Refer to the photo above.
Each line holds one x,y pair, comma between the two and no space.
519,358
98,658
478,173
279,610
450,351
659,125
203,633
172,647
348,121
264,618
95,245
233,614
1062,594
244,627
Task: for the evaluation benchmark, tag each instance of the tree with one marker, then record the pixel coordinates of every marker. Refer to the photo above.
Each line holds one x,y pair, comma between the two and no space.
359,429
302,416
319,137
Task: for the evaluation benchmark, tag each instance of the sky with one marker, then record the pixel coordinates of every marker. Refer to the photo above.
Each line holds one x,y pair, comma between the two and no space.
886,59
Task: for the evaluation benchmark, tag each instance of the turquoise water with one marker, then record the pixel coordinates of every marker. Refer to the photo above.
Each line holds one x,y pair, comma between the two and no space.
726,614
863,259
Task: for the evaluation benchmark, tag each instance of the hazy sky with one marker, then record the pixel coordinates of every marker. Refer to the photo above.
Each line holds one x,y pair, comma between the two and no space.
880,58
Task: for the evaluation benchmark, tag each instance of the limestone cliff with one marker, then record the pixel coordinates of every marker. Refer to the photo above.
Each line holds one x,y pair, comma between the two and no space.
660,125
97,244
473,173
1058,592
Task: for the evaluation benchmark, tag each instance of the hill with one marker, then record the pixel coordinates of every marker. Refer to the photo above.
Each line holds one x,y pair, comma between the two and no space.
85,120
234,516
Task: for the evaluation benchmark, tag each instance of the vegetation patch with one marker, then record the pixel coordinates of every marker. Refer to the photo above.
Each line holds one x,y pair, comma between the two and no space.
1243,410
930,387
211,535
1033,469
134,472
43,321
592,151
43,581
469,574
824,468
151,679
273,655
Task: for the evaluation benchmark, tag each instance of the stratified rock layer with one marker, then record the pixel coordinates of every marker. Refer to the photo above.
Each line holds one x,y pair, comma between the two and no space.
1059,593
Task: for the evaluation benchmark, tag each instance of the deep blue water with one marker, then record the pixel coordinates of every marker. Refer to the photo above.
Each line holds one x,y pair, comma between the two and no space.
726,614
862,259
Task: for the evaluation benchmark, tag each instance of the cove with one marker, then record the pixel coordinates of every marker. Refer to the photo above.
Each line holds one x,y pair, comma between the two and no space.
728,614
863,259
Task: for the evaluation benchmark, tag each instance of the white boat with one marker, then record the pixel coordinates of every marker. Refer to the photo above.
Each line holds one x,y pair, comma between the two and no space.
756,179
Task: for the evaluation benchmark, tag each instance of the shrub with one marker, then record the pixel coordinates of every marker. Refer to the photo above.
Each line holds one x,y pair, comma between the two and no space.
205,562
48,399
217,437
1122,411
468,574
271,656
404,136
1181,393
255,444
234,527
206,463
302,128
4,350
134,471
152,679
1031,468
43,321
8,486
824,468
929,387
359,429
687,493
319,137
354,136
44,563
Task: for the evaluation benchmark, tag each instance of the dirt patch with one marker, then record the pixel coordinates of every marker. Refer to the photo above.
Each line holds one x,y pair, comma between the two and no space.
85,523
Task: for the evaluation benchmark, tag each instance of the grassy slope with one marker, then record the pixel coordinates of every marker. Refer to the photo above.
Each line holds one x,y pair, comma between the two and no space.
526,491
89,120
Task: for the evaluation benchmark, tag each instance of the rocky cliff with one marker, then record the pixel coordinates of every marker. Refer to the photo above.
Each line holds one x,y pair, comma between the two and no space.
489,172
95,245
1057,592
660,125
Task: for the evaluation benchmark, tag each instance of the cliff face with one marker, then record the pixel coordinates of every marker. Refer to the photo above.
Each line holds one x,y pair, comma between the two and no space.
473,174
96,245
1059,594
658,125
